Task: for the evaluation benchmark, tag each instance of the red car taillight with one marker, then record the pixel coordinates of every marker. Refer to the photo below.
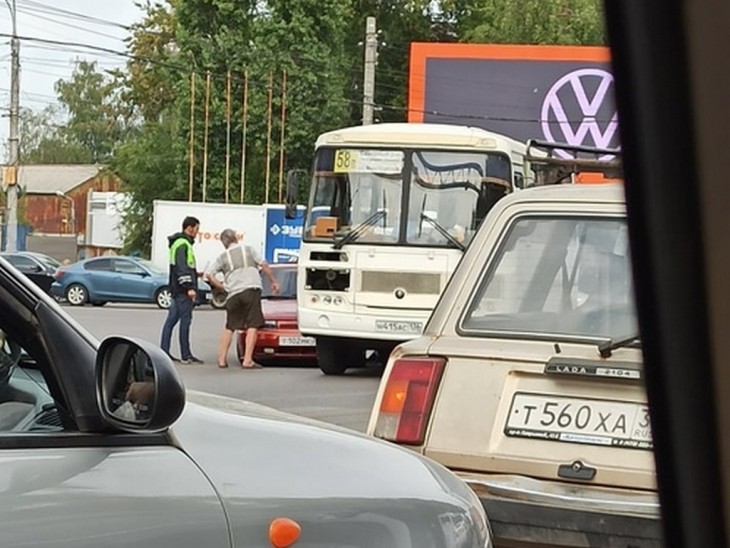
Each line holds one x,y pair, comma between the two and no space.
408,399
59,273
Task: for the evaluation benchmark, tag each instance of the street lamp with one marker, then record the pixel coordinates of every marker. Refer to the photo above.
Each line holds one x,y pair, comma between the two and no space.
73,209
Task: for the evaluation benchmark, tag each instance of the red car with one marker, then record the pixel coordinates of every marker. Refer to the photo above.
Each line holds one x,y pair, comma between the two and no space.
280,341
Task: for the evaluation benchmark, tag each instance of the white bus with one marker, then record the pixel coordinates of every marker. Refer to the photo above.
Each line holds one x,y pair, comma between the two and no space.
391,208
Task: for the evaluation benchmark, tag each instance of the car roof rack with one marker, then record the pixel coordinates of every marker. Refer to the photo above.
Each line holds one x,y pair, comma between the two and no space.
551,170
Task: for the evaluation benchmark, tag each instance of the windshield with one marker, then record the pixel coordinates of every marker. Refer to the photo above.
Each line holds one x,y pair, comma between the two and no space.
451,192
350,186
558,277
358,195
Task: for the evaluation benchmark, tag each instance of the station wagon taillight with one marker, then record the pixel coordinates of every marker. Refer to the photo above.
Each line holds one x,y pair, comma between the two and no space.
408,399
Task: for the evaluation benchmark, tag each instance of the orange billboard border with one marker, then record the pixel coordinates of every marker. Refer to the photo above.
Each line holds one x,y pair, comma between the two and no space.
421,52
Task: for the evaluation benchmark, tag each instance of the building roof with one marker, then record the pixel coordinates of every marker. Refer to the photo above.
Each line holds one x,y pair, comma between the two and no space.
47,179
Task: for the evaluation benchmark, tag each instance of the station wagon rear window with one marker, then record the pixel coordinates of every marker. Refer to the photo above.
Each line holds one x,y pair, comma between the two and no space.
557,276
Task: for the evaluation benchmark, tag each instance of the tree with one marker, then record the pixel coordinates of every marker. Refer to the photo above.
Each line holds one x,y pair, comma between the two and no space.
399,23
150,75
41,141
98,118
567,22
151,167
302,37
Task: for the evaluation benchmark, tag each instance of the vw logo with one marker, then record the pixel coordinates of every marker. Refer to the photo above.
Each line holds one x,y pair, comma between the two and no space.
579,110
399,293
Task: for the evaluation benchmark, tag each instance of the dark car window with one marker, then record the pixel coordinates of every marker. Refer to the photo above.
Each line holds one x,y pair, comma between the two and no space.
24,264
127,267
26,402
99,264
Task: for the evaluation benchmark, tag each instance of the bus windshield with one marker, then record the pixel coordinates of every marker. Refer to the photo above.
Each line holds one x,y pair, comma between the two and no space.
404,197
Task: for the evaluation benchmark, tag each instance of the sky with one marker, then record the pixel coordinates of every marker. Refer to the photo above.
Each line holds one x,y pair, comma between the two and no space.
97,23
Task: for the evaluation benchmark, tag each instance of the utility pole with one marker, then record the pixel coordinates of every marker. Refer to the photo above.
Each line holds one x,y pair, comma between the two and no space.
368,87
11,174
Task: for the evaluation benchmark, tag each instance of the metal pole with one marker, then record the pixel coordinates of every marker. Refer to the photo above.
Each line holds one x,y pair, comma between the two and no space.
12,186
267,171
205,138
283,131
191,174
228,132
368,87
244,125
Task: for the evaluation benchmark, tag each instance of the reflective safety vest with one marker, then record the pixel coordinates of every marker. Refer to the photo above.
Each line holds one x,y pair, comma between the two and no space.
190,257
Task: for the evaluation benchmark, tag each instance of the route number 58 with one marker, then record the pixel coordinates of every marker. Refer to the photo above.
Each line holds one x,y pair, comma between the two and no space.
345,160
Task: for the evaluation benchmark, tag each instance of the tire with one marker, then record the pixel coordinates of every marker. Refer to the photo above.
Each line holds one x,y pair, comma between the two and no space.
163,298
218,300
77,295
335,355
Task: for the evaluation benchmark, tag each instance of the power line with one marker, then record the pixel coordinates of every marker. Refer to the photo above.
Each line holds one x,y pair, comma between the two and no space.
52,10
71,25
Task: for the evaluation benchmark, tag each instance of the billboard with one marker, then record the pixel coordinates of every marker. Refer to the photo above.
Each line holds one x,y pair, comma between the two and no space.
554,93
283,236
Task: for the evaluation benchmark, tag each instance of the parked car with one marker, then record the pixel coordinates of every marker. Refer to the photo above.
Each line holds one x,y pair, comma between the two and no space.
99,448
528,378
116,279
279,341
39,267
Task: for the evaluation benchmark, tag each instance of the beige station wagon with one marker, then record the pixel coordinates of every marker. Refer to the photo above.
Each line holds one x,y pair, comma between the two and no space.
528,379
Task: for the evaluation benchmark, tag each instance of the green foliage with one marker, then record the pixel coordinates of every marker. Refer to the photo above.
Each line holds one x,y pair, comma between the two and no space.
399,23
98,118
569,22
151,167
150,76
42,141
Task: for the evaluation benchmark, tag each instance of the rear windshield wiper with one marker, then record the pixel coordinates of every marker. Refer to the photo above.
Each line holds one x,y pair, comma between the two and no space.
360,229
441,230
607,347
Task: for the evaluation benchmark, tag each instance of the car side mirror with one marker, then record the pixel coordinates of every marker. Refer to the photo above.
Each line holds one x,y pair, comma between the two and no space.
138,388
292,191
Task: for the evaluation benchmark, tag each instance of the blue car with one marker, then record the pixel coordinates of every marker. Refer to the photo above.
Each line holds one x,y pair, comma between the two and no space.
116,279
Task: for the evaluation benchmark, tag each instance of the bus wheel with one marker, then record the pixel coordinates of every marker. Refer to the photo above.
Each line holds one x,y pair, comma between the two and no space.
332,355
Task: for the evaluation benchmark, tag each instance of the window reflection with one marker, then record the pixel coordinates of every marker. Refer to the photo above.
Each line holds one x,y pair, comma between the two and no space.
133,384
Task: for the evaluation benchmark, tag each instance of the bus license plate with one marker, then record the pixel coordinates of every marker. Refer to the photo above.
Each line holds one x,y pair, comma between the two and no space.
578,420
398,327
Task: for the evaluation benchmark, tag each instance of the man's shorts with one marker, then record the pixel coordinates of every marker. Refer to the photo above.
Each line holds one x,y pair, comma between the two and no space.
243,310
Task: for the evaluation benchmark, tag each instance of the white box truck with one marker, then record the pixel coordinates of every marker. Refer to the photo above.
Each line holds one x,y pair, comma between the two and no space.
249,222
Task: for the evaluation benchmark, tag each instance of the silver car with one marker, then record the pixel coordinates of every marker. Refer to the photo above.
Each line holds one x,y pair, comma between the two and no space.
99,448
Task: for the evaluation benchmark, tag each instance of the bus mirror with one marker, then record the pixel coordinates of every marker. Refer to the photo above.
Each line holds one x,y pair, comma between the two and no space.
292,188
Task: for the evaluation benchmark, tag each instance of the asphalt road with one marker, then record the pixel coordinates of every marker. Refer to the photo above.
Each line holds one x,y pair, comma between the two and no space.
344,401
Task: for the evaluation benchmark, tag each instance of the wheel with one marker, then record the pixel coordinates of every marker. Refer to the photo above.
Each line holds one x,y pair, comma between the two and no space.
218,300
76,294
335,355
163,298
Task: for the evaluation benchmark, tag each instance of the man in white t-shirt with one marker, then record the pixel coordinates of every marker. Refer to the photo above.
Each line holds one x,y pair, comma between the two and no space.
240,266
